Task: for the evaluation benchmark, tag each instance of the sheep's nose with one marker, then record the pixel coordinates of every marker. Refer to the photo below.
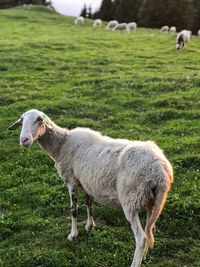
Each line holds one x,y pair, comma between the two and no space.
23,140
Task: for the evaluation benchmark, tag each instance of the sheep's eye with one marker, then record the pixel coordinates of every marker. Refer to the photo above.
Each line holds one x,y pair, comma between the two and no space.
39,119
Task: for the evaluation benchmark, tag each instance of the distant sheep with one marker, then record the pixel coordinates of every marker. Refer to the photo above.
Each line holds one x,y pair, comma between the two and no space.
172,29
111,24
97,23
132,175
79,20
132,26
121,27
198,33
164,29
182,38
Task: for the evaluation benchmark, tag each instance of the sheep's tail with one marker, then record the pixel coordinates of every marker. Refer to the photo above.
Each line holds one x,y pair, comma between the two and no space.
156,206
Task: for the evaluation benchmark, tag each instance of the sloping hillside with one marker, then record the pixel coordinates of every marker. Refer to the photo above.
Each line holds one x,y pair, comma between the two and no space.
134,86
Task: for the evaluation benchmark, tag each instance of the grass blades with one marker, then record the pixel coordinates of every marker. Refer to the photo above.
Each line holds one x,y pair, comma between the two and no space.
134,86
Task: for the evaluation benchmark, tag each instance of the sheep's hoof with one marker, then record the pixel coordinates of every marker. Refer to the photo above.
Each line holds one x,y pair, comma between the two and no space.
72,237
89,227
145,251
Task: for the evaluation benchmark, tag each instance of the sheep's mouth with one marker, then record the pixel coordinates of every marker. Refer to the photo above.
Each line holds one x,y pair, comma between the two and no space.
26,145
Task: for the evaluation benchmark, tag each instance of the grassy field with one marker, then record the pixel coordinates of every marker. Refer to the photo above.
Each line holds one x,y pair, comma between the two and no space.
134,86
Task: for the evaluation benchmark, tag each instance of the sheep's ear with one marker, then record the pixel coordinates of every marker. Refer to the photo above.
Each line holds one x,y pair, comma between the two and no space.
45,120
15,125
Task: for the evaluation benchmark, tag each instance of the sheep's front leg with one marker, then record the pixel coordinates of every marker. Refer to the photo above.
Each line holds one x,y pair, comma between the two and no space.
74,208
90,222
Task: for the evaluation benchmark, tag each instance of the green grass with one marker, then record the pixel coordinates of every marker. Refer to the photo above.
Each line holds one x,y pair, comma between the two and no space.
134,86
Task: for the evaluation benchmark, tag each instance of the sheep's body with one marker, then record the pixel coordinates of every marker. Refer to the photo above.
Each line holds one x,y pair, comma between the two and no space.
79,20
172,29
198,33
97,23
132,26
109,168
121,27
164,28
182,38
132,175
111,24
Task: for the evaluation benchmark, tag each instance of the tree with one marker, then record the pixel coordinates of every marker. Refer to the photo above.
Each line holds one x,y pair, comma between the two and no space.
106,11
184,14
156,13
8,3
127,10
11,3
84,11
196,20
89,12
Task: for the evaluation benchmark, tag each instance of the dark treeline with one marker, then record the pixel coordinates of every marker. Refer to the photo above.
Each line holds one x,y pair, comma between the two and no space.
184,14
12,3
86,11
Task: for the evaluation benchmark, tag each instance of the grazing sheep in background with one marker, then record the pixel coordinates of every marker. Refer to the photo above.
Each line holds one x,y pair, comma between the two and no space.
111,24
132,26
172,29
79,20
182,38
131,175
97,23
121,27
198,33
164,29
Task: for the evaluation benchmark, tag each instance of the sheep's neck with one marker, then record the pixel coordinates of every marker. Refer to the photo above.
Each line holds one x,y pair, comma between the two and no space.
53,139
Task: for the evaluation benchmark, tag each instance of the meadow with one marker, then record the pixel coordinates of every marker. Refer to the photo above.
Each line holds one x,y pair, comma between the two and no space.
134,86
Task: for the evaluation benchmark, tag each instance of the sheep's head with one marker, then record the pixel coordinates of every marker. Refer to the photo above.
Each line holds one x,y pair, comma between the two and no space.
33,126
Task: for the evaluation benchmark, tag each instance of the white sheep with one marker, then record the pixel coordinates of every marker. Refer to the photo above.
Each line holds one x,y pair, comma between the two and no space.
132,26
172,29
182,38
164,29
111,24
121,27
198,33
131,175
97,23
79,20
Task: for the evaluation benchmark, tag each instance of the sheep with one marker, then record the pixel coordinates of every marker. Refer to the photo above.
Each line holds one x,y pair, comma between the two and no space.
172,29
97,23
131,175
121,27
198,33
111,24
79,20
182,38
164,29
132,26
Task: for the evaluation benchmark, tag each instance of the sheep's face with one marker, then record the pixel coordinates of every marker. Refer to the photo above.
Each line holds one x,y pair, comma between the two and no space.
33,126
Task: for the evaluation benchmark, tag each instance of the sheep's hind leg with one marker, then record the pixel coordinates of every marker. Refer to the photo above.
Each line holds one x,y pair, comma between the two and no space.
90,222
74,208
140,238
149,232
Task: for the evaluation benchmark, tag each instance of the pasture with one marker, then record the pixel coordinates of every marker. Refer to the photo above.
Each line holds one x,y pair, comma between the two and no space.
134,86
